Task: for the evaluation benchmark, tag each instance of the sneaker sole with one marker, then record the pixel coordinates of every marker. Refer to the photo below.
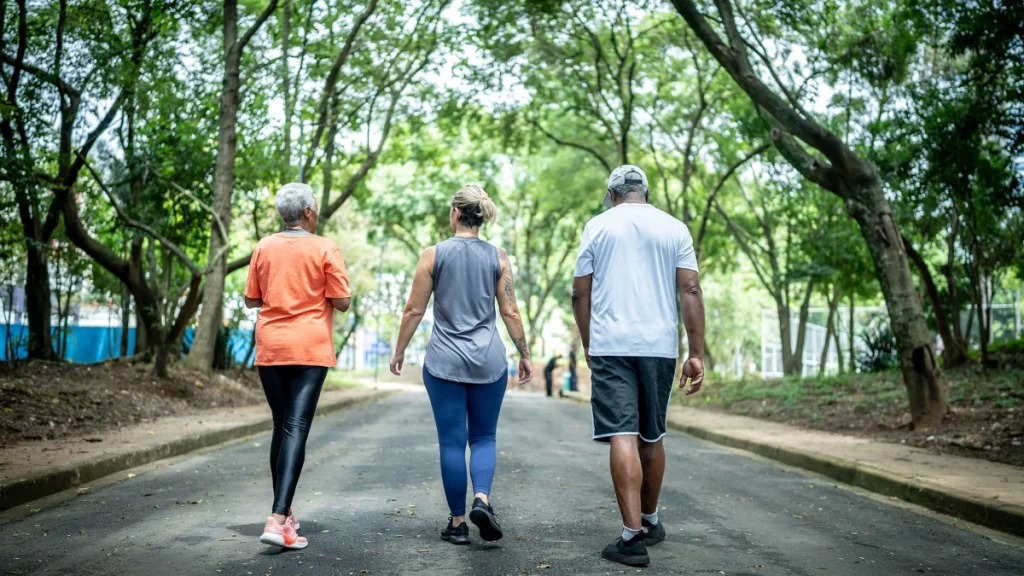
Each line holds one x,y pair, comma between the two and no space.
278,540
457,540
489,529
627,560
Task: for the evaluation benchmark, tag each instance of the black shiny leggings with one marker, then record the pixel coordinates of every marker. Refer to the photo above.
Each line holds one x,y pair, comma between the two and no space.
292,392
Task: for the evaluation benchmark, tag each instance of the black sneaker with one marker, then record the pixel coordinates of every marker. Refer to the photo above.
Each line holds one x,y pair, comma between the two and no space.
483,516
653,533
631,553
456,534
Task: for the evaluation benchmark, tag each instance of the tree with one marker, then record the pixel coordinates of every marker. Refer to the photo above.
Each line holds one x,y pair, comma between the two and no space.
353,91
843,172
544,216
209,323
42,80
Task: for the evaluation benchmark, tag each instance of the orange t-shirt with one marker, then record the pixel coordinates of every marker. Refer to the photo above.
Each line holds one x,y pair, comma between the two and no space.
295,275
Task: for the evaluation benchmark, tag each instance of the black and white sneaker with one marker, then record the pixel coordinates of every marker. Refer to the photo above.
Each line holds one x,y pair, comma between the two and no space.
631,553
456,534
653,533
483,516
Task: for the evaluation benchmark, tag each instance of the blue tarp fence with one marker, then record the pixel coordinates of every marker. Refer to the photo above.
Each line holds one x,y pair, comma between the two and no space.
89,344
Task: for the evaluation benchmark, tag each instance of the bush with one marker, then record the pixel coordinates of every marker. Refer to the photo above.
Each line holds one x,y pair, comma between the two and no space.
1008,347
880,353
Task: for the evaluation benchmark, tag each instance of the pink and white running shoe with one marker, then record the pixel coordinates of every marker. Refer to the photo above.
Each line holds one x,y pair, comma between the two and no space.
291,519
282,535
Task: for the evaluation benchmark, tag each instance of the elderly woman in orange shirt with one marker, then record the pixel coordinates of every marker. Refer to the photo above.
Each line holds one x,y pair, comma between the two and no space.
297,279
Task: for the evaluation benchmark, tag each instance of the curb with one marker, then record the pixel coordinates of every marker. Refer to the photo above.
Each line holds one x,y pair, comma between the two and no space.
991,514
22,490
1007,518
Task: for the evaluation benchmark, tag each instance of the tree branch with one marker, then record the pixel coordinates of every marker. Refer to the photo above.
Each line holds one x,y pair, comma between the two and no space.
733,58
48,77
332,79
714,192
575,145
256,25
140,226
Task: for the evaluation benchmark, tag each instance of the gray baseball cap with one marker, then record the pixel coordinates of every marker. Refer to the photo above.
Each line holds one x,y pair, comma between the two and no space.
625,174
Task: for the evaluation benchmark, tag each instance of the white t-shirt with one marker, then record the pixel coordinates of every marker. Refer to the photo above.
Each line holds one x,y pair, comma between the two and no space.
633,251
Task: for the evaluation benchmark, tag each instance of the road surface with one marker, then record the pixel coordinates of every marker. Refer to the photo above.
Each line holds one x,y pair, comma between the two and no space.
370,502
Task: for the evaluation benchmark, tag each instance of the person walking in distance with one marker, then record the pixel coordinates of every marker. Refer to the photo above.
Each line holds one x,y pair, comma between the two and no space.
633,259
464,370
297,279
549,374
573,386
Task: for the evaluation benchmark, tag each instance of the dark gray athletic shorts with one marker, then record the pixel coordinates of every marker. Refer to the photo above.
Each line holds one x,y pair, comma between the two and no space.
630,395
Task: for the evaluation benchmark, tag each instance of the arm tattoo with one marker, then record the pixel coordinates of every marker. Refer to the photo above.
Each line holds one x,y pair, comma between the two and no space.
506,275
524,349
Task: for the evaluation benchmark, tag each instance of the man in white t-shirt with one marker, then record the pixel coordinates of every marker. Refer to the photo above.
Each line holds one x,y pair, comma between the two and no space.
633,260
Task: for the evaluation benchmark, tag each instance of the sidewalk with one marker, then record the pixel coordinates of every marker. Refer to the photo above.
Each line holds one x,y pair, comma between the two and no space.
33,470
986,493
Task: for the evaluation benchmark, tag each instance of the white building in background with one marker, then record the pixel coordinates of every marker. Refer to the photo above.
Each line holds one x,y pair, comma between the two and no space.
1006,320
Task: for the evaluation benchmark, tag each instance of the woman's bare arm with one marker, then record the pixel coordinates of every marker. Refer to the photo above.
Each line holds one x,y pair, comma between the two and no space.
509,309
415,308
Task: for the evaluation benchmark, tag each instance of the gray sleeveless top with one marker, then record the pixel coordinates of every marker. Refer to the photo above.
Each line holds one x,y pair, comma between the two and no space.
464,345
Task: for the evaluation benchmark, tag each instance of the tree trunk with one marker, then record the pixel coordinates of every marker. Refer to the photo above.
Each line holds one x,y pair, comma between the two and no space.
141,334
161,356
126,317
801,332
984,314
853,354
785,336
204,343
873,214
855,180
286,32
953,354
833,303
37,303
837,296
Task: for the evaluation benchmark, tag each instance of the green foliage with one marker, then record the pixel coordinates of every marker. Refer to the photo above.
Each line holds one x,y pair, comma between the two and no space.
879,353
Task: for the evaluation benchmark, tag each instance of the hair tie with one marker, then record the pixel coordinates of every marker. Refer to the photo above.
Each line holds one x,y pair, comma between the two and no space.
483,196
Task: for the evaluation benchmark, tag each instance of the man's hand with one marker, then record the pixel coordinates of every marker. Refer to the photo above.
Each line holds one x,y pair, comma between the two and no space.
525,371
693,369
396,363
586,354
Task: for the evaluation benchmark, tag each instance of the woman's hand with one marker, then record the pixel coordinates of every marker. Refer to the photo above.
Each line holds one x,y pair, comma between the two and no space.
525,370
396,363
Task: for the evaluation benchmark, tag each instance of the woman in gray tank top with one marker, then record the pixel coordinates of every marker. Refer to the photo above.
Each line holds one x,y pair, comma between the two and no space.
465,369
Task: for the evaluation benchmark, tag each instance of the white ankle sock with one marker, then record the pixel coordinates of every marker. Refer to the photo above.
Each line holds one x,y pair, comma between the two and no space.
629,533
652,518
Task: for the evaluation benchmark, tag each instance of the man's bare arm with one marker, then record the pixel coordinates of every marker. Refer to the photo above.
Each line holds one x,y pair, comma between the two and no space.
581,288
692,301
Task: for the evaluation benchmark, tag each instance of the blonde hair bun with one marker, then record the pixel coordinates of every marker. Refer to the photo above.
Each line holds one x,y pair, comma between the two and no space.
475,206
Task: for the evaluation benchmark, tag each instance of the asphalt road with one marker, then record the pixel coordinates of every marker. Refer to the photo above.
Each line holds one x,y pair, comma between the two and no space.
370,502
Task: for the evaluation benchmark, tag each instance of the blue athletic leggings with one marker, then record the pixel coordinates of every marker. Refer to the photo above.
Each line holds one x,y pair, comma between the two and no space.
465,412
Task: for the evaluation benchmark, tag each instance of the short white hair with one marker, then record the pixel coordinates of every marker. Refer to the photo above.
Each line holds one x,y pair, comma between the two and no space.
292,200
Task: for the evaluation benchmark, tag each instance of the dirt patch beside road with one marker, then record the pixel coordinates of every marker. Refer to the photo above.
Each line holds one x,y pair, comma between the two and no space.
49,400
986,419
